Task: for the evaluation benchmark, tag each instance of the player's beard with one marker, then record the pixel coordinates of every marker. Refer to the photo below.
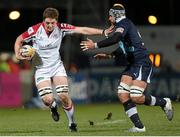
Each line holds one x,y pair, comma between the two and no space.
111,23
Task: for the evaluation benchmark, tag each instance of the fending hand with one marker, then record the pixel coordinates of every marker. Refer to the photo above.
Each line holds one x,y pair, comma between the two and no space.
108,30
87,44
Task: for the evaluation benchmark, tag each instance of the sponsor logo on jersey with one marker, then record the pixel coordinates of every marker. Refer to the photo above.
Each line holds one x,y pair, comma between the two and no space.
40,78
30,30
135,74
121,30
55,36
67,26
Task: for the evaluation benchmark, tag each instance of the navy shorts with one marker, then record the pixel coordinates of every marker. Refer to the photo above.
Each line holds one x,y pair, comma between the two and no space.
139,71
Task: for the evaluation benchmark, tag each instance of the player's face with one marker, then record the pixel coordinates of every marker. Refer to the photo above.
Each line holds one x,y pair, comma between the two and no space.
50,24
111,19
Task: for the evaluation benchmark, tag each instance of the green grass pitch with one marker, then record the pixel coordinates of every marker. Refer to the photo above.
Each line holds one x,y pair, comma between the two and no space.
36,122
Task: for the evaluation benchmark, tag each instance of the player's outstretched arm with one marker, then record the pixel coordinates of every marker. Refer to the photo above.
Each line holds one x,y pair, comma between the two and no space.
93,31
89,44
88,31
17,46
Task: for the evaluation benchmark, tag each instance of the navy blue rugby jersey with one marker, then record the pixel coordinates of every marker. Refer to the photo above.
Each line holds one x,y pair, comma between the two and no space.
131,42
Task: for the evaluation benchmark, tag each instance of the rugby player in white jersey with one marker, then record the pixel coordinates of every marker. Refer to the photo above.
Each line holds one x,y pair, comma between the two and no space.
50,73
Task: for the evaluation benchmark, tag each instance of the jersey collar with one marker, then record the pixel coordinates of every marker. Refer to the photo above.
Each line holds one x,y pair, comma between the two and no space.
119,19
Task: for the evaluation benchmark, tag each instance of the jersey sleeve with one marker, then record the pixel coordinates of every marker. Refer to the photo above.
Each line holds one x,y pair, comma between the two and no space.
66,28
30,33
122,27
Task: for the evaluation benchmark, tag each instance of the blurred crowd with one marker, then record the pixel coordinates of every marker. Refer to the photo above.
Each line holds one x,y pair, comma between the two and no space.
9,63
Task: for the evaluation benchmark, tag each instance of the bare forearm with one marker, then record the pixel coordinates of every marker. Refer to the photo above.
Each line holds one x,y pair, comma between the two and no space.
92,31
17,45
88,31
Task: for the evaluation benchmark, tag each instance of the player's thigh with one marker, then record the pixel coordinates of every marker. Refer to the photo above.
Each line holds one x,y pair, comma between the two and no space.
141,72
137,91
62,88
142,75
60,80
45,91
124,88
43,84
139,83
126,79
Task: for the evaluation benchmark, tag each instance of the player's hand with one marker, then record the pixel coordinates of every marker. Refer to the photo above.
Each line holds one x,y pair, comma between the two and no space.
20,57
102,56
87,44
108,30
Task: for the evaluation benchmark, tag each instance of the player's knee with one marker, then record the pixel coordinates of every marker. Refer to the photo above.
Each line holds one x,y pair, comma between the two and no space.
136,94
47,100
123,88
63,96
46,95
123,97
65,99
138,100
60,89
123,92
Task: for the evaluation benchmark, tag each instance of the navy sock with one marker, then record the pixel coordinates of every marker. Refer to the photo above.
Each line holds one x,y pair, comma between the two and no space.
160,102
154,101
130,109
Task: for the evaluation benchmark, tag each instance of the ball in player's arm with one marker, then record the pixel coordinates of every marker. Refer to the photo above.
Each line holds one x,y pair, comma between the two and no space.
46,38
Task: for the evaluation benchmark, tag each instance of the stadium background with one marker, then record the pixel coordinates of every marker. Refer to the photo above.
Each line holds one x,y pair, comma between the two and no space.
91,81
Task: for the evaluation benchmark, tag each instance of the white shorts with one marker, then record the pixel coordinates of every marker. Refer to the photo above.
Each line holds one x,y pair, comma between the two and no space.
42,74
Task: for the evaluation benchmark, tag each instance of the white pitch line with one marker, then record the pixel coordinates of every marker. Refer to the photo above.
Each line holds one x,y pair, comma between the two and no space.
110,122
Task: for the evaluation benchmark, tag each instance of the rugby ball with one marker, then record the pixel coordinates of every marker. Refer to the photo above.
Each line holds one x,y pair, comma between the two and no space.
27,51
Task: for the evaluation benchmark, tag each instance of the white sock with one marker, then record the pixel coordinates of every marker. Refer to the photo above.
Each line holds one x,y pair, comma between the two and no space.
69,113
53,105
153,101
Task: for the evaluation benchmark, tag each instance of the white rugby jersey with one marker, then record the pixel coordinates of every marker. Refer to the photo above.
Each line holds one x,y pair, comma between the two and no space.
47,46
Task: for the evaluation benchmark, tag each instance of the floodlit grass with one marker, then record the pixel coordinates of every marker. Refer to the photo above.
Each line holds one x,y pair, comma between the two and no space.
35,122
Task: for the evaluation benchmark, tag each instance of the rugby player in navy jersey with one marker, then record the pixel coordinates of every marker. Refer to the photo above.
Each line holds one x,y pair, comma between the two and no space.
138,72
